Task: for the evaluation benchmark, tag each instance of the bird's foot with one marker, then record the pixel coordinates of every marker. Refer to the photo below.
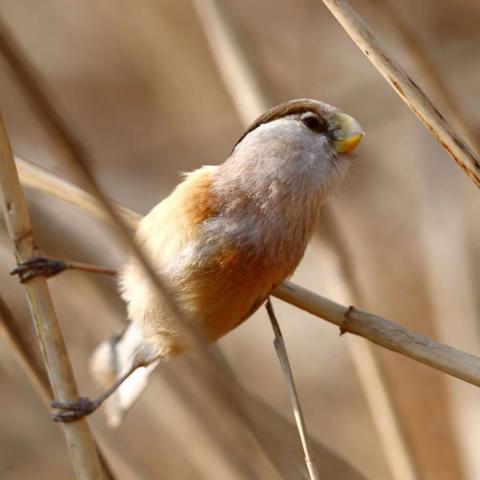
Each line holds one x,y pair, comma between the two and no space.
71,411
39,266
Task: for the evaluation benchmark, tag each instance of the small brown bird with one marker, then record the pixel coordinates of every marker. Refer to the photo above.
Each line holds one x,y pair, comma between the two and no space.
228,235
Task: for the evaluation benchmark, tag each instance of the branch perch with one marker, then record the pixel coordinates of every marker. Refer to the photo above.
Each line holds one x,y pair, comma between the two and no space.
430,73
78,436
409,91
376,329
385,333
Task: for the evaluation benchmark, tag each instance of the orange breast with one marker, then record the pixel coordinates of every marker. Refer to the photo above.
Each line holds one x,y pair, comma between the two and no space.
227,291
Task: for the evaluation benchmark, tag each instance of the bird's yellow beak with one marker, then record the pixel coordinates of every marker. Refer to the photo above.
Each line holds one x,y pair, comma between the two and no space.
347,134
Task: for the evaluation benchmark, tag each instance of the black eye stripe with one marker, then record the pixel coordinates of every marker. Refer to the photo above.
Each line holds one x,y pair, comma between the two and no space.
312,121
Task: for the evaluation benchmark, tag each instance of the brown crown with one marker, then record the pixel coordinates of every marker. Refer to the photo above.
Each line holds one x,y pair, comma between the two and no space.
291,107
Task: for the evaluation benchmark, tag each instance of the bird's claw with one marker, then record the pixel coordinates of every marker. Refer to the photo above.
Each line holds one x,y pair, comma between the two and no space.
71,411
39,266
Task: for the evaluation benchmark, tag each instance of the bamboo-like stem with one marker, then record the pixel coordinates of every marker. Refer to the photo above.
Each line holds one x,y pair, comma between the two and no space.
31,365
385,333
409,91
251,98
450,274
78,436
216,378
282,354
40,179
431,73
37,178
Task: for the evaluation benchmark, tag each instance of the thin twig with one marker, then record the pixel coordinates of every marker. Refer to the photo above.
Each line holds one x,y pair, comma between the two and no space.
281,350
431,73
376,329
409,91
78,436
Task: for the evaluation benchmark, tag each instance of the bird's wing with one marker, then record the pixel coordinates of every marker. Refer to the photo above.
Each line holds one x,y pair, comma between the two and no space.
175,221
163,233
167,234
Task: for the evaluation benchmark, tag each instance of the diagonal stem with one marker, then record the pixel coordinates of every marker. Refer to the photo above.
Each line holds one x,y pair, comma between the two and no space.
415,98
281,350
81,445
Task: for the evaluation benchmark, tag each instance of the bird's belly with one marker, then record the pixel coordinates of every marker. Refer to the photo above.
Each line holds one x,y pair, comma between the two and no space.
216,296
219,298
226,303
218,287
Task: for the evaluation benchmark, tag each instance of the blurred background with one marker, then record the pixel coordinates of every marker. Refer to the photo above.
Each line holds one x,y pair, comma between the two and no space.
144,87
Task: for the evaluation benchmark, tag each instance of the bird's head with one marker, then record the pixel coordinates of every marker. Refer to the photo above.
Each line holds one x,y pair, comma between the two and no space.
303,144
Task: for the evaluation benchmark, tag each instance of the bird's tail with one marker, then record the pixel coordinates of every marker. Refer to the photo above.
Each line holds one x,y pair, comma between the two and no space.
113,358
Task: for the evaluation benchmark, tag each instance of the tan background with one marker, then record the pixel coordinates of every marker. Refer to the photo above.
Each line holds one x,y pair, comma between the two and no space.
137,82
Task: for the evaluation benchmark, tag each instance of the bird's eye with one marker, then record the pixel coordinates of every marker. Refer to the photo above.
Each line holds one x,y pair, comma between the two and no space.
313,122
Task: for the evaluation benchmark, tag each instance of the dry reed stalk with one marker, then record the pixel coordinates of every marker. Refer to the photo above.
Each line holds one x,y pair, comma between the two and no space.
409,91
216,378
416,99
431,73
449,271
40,179
281,350
250,97
78,436
372,327
385,333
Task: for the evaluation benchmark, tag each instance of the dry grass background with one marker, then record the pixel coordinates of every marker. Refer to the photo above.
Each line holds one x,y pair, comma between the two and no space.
138,84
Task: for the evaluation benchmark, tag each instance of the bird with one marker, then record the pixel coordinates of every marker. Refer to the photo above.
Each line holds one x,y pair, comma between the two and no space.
226,237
